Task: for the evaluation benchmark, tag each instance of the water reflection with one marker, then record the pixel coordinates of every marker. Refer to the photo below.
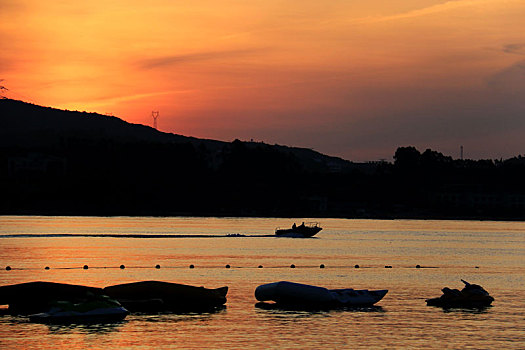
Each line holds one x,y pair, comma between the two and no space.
470,311
315,310
162,316
86,328
63,328
402,322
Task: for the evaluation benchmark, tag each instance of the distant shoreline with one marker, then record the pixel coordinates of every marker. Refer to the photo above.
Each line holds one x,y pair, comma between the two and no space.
55,162
232,215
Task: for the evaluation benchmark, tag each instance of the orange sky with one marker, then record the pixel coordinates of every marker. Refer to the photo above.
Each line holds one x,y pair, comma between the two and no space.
354,79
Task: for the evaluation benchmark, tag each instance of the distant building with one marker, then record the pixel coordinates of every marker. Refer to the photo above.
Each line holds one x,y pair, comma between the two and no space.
36,165
479,199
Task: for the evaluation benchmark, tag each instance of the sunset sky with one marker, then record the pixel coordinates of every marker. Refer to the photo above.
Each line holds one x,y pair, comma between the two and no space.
352,78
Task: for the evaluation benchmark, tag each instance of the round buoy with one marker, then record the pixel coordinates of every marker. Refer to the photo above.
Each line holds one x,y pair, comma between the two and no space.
122,267
8,268
85,267
356,266
157,266
260,266
321,266
292,266
418,266
227,266
192,266
46,268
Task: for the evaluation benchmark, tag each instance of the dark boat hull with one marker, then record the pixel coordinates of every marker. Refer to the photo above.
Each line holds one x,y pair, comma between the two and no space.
471,296
149,296
33,297
461,302
109,315
301,232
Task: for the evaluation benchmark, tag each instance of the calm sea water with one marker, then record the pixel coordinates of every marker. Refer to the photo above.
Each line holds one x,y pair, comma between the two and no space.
488,253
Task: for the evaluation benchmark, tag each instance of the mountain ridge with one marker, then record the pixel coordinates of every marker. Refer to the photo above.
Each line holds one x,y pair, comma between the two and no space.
23,123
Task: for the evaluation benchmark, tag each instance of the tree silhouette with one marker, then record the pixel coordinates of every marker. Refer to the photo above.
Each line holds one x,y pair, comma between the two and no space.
2,89
407,157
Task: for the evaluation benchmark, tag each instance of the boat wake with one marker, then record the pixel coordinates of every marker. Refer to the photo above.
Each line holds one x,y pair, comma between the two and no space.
123,235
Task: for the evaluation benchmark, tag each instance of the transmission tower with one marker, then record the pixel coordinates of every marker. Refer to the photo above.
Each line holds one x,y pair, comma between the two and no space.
155,115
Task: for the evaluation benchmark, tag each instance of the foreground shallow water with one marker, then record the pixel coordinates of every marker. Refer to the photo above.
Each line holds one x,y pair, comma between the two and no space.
488,253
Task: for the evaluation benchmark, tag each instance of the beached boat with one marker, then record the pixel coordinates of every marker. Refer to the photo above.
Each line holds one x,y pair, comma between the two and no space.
100,309
296,294
471,296
34,297
147,296
301,231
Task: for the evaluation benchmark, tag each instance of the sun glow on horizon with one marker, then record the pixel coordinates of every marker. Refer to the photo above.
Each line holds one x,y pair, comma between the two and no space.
354,79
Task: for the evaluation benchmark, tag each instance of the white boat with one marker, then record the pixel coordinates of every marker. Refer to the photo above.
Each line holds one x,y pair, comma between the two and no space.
103,309
290,293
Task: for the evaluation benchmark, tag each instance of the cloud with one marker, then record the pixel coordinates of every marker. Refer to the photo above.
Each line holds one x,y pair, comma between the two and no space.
163,61
518,48
510,79
111,100
446,6
9,5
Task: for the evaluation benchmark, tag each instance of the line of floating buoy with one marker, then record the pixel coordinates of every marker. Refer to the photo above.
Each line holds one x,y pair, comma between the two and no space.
228,266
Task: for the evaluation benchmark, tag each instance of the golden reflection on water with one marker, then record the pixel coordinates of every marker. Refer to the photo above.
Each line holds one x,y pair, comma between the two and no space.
487,253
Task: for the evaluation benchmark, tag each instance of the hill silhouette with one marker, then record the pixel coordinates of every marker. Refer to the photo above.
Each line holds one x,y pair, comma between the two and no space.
76,163
58,161
27,125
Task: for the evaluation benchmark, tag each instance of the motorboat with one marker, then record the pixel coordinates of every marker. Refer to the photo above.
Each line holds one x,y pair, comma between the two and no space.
152,296
99,309
471,296
297,294
299,231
